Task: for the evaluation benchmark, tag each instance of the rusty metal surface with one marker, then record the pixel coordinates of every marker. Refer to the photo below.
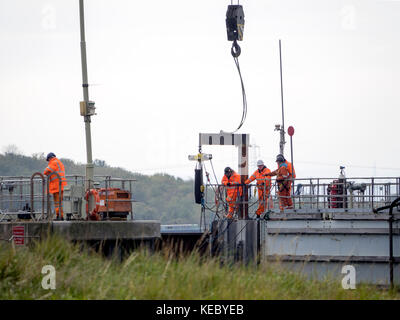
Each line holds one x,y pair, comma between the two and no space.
115,200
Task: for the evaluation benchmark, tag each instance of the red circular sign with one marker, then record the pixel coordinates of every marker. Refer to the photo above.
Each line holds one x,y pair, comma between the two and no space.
290,131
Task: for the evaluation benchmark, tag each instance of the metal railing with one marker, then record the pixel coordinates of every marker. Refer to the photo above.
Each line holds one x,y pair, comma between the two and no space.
351,195
357,194
28,197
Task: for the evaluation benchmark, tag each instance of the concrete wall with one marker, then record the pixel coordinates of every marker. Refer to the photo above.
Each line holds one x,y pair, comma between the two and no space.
322,247
313,246
86,230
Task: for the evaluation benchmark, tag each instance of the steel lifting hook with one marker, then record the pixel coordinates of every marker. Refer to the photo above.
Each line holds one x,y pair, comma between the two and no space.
235,50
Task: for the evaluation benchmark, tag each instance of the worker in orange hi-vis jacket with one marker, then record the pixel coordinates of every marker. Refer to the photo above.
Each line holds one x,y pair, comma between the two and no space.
57,166
233,189
292,172
283,181
263,186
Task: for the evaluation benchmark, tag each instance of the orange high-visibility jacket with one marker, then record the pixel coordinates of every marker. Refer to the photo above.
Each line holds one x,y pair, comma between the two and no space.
292,172
234,181
55,165
282,172
261,178
282,177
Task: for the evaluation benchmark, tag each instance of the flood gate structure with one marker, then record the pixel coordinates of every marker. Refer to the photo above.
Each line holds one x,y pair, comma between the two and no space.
323,233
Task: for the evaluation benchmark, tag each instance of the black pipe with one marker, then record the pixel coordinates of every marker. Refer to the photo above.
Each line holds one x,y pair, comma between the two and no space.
391,258
258,241
391,245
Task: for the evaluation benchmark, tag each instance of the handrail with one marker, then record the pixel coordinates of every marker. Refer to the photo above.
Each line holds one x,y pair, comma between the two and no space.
32,191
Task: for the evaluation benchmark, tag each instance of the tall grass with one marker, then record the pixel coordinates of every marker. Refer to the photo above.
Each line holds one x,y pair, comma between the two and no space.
84,274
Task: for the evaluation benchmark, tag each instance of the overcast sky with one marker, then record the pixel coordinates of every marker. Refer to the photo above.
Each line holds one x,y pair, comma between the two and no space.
161,72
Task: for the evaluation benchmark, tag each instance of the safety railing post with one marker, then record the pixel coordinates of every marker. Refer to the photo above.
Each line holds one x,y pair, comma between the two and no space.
398,187
32,192
108,185
1,194
130,191
317,193
372,193
20,190
292,193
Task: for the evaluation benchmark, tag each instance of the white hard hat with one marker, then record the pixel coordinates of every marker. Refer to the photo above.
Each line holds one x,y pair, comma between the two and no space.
260,163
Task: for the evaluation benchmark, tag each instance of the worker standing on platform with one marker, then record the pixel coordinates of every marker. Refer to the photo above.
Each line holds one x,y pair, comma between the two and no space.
292,172
263,186
232,182
57,166
283,181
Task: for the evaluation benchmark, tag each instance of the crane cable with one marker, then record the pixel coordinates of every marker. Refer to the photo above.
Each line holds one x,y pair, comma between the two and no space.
244,99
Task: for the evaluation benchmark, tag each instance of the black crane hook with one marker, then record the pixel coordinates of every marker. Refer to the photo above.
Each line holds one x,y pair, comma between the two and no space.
235,27
235,50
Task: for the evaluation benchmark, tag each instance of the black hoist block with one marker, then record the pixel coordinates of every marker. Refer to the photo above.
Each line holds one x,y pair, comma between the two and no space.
198,185
235,22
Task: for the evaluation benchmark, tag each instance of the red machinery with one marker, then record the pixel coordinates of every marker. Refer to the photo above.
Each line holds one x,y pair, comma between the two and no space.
337,192
115,203
110,203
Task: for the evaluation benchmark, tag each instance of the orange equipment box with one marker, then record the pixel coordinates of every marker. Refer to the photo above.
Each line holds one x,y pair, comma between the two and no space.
119,201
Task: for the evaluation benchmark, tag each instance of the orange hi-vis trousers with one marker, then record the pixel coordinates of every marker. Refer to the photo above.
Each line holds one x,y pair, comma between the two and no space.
285,199
263,200
231,200
57,203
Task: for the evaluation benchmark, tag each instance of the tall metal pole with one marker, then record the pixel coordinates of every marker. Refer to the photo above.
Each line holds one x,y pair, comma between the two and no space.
282,131
291,152
85,86
243,163
291,158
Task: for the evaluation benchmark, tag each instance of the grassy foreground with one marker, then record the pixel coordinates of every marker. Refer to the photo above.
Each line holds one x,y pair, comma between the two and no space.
82,274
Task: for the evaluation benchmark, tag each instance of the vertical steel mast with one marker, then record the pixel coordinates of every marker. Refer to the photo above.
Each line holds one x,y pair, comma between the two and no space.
87,107
282,130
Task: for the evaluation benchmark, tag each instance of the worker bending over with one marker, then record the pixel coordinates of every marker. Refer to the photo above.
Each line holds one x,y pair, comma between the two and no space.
283,181
263,186
57,166
232,182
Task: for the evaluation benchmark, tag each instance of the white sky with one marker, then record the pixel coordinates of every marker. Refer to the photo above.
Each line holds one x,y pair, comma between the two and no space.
162,72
